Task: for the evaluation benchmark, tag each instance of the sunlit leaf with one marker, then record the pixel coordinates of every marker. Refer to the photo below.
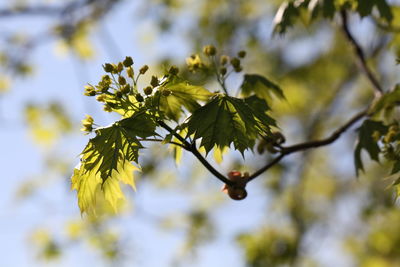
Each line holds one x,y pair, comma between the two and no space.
183,95
226,120
367,142
260,86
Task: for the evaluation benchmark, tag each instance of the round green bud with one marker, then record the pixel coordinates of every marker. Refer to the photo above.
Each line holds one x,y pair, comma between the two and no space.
118,94
173,70
238,69
120,67
130,72
154,81
121,80
242,54
128,61
235,62
101,98
224,59
143,69
107,108
148,90
139,98
166,92
126,89
209,50
108,67
222,71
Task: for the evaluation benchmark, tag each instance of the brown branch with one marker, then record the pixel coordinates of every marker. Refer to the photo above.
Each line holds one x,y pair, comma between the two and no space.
362,62
44,10
311,144
192,148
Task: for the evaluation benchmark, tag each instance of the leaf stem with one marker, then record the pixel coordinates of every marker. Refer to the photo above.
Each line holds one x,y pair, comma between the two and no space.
191,147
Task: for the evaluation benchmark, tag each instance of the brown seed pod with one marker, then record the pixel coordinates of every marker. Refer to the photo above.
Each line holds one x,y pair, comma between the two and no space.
237,193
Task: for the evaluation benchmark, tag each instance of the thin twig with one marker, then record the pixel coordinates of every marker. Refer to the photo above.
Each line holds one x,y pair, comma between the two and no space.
361,56
311,144
161,140
192,148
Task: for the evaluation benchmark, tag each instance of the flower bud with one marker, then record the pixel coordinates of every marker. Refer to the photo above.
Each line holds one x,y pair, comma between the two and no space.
209,50
107,108
222,71
128,61
235,62
118,94
143,69
108,67
154,81
120,67
242,54
166,92
126,89
224,59
148,90
89,90
130,72
238,69
173,70
101,98
121,80
139,98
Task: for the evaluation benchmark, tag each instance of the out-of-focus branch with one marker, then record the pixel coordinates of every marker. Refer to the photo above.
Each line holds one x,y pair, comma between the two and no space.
311,144
44,10
361,56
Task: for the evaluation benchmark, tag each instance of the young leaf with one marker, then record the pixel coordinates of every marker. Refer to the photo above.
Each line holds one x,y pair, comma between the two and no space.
367,142
182,95
387,101
106,160
226,120
260,86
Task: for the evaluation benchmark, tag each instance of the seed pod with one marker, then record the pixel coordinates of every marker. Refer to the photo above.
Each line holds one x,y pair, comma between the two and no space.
128,61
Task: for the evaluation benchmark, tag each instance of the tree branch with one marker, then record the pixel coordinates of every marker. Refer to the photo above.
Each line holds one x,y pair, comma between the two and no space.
311,144
361,56
192,148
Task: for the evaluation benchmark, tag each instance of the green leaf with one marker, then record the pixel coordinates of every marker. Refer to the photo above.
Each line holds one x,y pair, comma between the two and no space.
182,95
105,161
386,102
226,120
285,17
367,142
261,87
364,8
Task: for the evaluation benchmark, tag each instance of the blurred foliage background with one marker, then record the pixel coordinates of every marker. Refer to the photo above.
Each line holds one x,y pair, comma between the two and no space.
310,210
